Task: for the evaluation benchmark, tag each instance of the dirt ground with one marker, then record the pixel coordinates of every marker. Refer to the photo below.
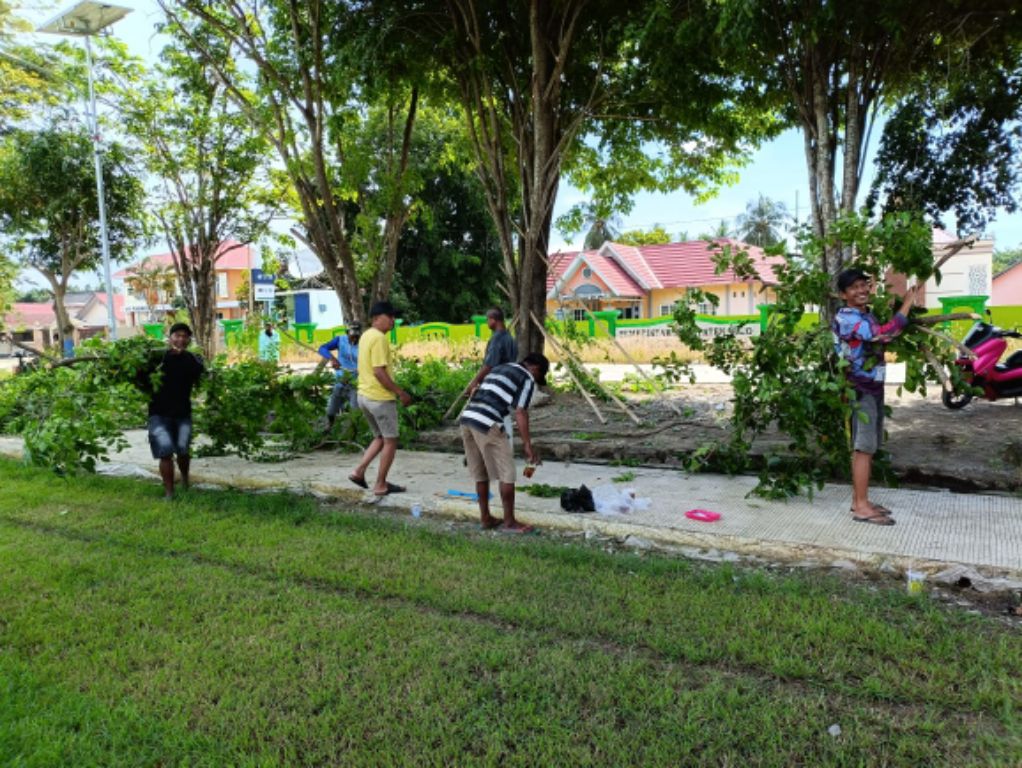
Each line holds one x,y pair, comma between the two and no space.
976,449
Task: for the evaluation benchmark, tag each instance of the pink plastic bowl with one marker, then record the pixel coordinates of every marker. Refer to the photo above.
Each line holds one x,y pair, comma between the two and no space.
703,515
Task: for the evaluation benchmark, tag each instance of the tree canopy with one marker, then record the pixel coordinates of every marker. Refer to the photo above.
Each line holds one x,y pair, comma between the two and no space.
208,163
49,207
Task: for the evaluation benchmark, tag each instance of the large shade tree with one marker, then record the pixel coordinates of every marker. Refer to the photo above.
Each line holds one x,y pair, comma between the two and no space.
208,162
49,211
315,89
555,88
828,68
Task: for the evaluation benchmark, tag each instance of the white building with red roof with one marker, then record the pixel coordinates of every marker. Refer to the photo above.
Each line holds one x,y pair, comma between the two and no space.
647,281
35,324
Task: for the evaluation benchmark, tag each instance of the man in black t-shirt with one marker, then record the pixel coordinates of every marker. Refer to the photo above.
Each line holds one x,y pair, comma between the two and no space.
170,404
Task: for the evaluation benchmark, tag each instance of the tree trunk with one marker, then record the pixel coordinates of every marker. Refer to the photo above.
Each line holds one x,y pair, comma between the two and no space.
59,288
204,316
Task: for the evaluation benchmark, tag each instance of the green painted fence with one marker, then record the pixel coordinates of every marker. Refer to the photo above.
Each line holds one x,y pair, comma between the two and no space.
1006,317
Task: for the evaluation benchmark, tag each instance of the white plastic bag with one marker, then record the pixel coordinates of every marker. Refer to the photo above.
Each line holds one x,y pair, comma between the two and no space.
614,500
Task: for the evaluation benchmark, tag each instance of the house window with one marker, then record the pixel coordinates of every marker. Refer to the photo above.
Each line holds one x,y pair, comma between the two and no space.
578,315
667,309
706,308
588,291
221,284
632,312
587,272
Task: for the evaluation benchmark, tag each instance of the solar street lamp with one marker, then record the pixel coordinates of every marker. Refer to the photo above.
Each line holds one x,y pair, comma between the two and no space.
84,20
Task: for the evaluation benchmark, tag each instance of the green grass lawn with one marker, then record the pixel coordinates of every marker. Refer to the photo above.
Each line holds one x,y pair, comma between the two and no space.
232,629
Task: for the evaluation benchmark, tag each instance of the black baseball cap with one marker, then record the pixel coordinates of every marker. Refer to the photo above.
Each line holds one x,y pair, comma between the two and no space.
848,277
540,361
382,308
179,327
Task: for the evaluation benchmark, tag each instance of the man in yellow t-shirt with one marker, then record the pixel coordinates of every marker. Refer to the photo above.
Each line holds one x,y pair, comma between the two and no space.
378,394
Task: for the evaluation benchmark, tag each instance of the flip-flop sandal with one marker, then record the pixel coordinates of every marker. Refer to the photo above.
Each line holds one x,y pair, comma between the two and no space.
359,481
874,520
522,530
493,527
883,510
391,488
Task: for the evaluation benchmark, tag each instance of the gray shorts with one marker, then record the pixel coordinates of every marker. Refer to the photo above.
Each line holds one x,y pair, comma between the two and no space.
169,436
381,415
868,423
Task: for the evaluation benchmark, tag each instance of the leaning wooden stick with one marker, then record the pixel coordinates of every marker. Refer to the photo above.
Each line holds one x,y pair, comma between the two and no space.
454,405
621,406
952,249
646,377
560,349
571,375
944,337
938,369
298,341
937,319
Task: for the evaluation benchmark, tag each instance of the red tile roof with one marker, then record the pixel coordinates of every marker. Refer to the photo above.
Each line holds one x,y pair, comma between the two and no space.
557,264
30,315
690,264
634,271
239,257
635,262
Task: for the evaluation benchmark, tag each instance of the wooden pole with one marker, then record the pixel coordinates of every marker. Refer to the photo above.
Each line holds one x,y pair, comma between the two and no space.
954,342
936,319
952,249
455,404
649,379
567,353
571,375
616,400
297,341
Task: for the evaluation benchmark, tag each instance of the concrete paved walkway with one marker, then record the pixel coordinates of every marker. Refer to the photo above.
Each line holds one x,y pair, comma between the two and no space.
976,535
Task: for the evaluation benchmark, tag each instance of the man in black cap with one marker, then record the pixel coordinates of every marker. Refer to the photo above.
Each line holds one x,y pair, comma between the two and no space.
170,404
507,388
378,394
859,338
345,392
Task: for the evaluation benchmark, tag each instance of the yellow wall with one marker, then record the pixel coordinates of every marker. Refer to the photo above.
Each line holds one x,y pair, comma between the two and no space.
734,299
235,277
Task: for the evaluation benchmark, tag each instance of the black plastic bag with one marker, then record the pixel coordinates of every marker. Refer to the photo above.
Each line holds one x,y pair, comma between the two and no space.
578,500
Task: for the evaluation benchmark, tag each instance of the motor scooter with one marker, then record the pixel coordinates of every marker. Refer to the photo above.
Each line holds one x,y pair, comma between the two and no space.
983,370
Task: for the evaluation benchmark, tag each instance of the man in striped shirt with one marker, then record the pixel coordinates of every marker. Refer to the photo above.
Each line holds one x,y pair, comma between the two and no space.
506,389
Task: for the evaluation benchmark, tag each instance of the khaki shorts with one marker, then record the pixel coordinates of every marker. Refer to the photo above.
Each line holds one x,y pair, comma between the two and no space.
381,415
489,455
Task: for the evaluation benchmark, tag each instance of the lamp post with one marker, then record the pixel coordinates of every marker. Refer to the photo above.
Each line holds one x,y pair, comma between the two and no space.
84,20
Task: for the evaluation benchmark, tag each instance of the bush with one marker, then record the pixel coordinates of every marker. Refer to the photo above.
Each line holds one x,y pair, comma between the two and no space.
789,378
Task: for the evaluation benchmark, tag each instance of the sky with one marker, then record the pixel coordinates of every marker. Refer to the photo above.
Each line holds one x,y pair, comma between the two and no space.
776,170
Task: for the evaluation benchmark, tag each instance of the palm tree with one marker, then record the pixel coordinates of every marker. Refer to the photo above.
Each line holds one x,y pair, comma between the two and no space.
153,283
762,222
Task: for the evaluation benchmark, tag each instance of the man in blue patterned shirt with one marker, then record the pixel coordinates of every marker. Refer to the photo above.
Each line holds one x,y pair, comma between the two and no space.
859,338
345,392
